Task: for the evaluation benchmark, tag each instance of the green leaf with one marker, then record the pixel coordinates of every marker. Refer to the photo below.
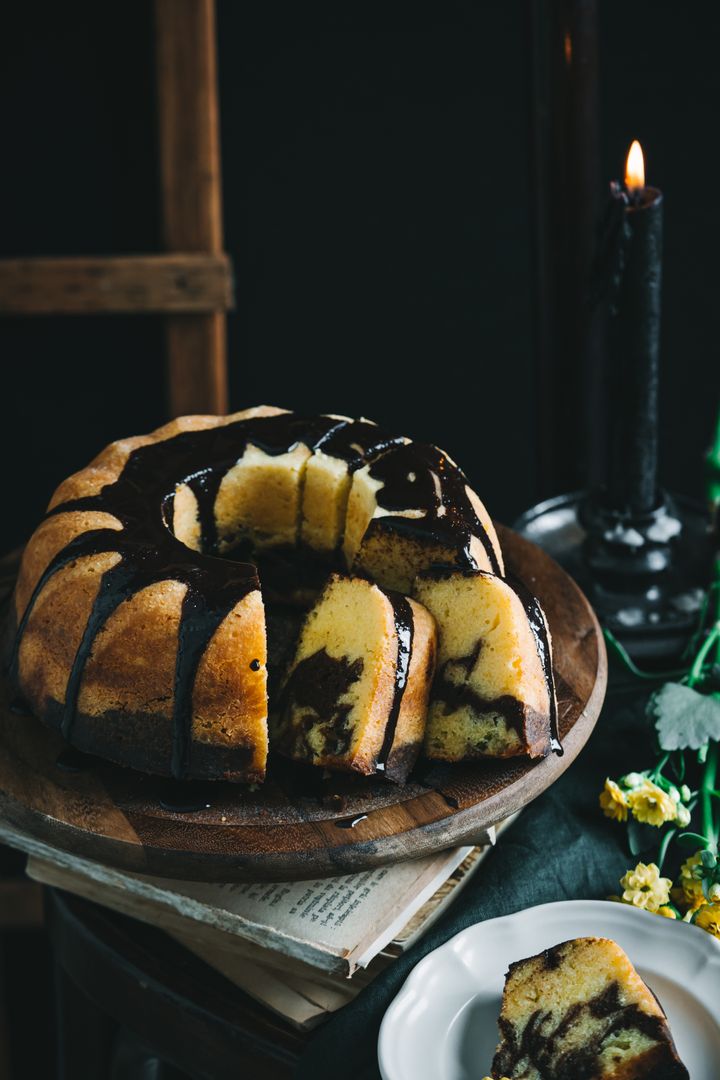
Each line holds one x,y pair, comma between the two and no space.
641,837
683,717
692,839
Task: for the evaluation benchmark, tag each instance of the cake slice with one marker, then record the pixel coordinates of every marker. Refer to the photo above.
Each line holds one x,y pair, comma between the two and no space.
413,509
260,496
355,697
493,694
184,519
580,1011
328,477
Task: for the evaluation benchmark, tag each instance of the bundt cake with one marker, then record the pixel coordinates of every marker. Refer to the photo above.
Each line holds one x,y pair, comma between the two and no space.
580,1011
493,694
139,624
356,692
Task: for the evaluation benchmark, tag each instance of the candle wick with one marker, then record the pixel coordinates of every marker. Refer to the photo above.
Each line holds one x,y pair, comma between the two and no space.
635,195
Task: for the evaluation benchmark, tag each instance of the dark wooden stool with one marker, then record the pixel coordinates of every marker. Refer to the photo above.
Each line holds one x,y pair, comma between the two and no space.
132,1004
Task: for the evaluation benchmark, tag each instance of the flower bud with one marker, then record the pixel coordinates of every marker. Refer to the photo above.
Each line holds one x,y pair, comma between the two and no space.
632,780
685,793
682,816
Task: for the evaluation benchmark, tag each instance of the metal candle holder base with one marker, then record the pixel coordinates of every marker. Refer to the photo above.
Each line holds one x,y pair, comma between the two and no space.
645,575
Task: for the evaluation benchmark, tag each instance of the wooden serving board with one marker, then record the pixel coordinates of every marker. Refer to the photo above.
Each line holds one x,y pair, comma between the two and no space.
299,825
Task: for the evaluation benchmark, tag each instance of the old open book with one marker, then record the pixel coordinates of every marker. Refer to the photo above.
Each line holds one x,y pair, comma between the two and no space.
302,948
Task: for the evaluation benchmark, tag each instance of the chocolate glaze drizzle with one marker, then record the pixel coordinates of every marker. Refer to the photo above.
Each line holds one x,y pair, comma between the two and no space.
358,442
542,643
141,499
420,475
405,631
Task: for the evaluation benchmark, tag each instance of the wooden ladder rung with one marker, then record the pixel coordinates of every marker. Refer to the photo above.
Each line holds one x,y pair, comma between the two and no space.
176,283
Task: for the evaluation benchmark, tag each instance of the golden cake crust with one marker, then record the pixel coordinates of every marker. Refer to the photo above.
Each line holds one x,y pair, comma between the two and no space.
125,702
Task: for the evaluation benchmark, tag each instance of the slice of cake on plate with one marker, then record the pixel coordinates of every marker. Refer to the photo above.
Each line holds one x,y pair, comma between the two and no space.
580,1011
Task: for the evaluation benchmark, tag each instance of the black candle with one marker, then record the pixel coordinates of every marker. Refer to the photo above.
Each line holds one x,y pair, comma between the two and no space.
633,245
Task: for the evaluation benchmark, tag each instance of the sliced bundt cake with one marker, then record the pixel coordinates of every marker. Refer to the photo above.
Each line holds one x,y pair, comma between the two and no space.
356,693
493,694
135,639
580,1011
413,509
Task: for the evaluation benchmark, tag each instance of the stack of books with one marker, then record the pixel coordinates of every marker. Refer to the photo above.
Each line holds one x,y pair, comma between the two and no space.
303,948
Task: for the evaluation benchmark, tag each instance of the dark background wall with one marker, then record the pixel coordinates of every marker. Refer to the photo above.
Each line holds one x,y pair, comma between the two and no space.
378,211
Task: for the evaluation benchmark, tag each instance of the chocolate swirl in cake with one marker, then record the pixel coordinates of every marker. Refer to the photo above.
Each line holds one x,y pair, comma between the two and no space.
540,1043
318,683
455,694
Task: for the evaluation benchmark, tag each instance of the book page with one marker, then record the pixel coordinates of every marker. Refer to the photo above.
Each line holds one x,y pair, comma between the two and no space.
332,923
343,915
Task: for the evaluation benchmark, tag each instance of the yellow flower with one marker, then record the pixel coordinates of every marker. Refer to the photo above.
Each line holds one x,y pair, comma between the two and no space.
666,911
708,918
644,888
649,803
613,802
692,886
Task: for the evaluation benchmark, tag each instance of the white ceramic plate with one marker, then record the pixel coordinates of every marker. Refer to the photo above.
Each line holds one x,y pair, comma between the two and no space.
443,1023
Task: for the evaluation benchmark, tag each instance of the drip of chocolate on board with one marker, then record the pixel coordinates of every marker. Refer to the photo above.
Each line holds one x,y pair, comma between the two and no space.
351,822
72,760
185,796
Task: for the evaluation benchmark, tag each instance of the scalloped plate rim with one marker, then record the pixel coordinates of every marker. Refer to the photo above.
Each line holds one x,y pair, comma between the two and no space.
399,1029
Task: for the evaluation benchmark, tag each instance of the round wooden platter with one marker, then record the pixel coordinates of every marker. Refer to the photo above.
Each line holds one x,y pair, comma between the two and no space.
300,824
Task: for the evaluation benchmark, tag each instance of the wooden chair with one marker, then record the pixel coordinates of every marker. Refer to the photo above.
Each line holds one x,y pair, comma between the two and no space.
190,284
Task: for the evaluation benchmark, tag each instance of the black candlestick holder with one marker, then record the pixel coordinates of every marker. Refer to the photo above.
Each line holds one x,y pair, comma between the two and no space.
645,573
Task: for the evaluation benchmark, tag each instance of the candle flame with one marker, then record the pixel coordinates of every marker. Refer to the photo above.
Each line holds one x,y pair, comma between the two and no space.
568,46
635,168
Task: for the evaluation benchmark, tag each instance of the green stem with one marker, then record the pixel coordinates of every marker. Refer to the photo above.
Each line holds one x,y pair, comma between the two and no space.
712,600
657,771
706,796
695,672
651,676
664,847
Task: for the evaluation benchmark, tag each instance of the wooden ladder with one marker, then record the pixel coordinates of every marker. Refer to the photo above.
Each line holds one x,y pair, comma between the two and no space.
190,284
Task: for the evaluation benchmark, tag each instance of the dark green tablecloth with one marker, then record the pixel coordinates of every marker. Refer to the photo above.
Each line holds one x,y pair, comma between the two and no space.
561,848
